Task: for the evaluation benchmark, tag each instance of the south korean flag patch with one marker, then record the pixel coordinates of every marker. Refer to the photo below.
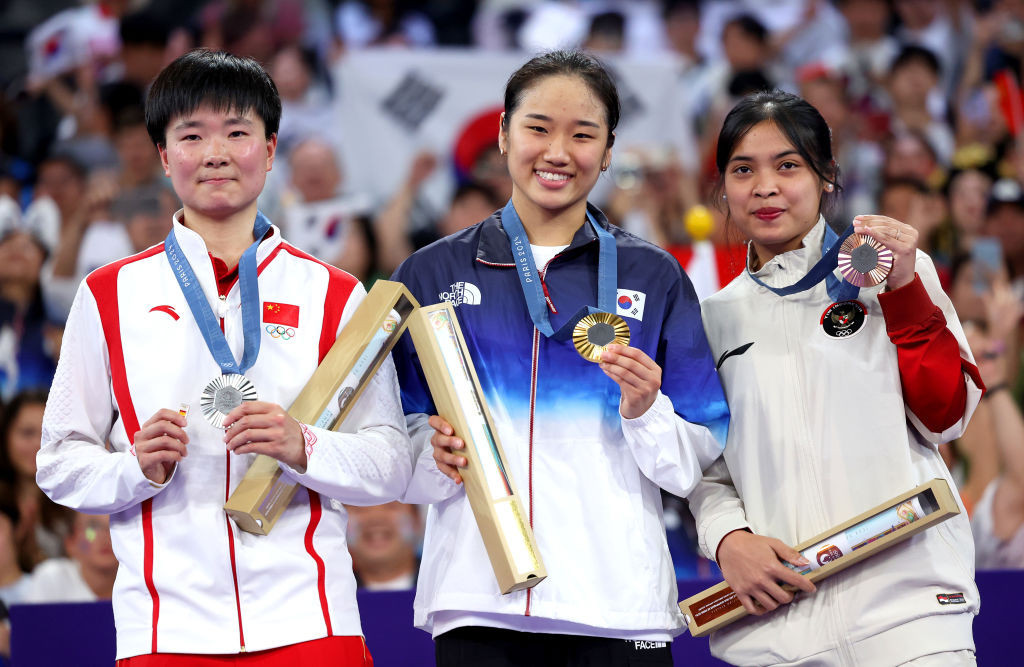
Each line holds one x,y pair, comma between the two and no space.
630,303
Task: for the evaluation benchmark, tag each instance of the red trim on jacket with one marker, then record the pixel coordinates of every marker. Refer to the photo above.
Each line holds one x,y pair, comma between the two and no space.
103,285
339,289
226,279
533,406
931,369
315,511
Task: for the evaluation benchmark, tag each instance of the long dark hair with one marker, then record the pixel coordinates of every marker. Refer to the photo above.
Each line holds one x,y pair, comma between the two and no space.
797,120
53,517
565,63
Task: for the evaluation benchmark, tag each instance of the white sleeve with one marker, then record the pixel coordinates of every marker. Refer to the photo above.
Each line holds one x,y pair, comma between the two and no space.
370,461
716,508
73,466
428,483
670,451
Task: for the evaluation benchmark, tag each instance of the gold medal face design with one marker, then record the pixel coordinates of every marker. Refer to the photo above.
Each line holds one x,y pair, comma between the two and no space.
595,332
224,394
863,261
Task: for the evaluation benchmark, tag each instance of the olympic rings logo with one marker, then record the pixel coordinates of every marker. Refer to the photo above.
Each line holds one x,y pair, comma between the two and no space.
284,333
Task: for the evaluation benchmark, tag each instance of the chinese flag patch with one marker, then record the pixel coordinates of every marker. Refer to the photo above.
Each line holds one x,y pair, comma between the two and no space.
286,314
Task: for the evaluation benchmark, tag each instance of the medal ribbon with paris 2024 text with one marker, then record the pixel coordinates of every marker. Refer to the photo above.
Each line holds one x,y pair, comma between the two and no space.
838,290
203,314
529,276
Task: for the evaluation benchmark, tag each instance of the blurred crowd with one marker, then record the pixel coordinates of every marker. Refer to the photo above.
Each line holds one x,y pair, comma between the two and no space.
923,98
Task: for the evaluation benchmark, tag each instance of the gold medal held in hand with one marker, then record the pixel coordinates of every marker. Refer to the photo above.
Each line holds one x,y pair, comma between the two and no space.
595,332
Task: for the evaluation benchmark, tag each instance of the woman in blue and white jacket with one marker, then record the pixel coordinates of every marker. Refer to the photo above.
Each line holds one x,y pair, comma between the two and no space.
588,449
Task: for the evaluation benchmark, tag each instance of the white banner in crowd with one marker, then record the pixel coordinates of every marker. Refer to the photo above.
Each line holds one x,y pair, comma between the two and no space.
396,103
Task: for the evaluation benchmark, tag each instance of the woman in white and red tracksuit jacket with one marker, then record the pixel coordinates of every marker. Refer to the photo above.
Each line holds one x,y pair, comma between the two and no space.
189,580
839,401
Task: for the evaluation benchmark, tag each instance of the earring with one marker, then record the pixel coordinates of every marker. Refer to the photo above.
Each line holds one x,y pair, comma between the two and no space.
501,151
723,197
828,187
604,167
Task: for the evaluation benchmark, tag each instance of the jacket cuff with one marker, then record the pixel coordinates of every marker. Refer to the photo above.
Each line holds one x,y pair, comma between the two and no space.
908,306
144,485
662,405
717,528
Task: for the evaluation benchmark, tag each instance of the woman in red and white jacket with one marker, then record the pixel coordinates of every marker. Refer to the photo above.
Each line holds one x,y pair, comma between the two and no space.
839,400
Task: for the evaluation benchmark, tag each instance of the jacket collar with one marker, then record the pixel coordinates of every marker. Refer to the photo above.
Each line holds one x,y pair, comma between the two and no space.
194,247
789,267
493,246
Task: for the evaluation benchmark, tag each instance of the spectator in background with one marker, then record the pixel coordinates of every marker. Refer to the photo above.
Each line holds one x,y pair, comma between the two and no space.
860,158
362,23
14,583
1005,220
395,236
138,163
968,192
924,209
60,191
384,541
28,340
306,108
913,77
871,49
144,39
87,574
998,517
929,24
317,217
44,524
909,155
648,198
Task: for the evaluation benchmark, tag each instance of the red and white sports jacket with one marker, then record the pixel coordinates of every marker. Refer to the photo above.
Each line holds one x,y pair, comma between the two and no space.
837,408
189,580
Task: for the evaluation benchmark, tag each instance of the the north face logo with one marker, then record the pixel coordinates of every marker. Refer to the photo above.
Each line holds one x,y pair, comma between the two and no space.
461,293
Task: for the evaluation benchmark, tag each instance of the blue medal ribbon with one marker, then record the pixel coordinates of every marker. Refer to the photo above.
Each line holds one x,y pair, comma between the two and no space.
207,321
530,281
838,290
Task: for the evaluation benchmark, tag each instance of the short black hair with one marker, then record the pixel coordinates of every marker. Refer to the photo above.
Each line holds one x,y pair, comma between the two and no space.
565,63
749,26
912,53
215,78
798,121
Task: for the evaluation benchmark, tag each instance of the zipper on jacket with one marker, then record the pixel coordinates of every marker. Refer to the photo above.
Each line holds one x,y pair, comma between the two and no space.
830,600
227,520
533,407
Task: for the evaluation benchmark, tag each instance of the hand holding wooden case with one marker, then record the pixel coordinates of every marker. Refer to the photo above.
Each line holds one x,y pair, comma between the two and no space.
263,494
455,388
836,549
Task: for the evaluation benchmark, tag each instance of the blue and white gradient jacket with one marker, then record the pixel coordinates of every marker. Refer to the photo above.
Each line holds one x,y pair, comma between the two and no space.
589,478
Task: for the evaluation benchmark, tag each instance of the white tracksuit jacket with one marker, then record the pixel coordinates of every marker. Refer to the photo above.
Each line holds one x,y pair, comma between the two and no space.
820,433
189,580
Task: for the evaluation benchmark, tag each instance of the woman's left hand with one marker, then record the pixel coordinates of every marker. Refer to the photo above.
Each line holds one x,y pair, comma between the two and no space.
637,375
898,237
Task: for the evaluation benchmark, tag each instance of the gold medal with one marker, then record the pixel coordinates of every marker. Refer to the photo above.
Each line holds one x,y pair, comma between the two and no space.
595,332
223,394
863,261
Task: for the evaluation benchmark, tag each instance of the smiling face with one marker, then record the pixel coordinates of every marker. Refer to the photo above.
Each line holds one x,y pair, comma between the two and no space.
218,162
557,143
773,194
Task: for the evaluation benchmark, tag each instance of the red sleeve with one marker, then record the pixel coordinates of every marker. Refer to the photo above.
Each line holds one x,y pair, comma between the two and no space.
931,369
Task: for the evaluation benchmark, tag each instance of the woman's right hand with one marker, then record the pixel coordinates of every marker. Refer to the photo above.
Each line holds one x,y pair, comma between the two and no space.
752,567
444,441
